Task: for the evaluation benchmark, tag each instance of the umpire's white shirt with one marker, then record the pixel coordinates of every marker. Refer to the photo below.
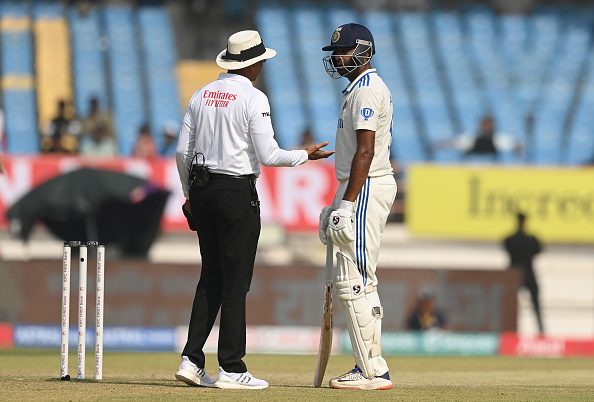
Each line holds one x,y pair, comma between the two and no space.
229,122
366,105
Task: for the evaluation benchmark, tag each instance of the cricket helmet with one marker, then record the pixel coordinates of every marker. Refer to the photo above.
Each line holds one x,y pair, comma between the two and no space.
354,36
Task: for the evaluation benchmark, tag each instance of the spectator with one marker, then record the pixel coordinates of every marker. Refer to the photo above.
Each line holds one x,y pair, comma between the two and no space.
170,132
145,145
97,116
99,144
55,145
426,315
522,248
61,134
485,142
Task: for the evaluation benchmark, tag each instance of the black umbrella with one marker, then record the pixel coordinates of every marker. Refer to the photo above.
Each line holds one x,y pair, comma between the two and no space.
92,204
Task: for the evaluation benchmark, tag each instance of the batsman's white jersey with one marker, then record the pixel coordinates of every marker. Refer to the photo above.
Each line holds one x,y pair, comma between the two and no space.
366,104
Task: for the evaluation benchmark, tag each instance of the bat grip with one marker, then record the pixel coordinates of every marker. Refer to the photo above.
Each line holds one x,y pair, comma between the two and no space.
329,261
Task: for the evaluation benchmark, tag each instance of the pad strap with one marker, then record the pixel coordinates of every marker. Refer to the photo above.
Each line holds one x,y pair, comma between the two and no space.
370,288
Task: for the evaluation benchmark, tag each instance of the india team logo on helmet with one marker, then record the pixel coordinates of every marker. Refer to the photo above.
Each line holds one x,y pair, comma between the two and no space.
336,35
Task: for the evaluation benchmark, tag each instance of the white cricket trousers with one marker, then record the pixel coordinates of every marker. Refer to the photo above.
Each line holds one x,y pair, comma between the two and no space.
372,208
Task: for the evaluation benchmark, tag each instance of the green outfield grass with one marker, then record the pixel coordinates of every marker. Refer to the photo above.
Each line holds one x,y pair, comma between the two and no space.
33,375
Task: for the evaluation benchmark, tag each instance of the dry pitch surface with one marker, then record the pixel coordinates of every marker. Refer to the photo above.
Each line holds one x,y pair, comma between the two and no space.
33,375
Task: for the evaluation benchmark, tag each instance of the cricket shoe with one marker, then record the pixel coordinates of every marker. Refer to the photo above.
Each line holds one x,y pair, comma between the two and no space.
192,375
354,379
238,381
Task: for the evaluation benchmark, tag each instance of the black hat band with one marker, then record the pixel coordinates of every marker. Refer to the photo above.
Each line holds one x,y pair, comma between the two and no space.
247,54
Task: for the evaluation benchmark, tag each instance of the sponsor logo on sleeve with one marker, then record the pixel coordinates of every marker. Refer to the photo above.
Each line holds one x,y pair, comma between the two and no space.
366,113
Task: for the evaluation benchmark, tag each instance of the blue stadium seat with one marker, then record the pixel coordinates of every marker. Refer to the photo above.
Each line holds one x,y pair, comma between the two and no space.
18,92
406,143
280,76
160,60
429,95
88,64
557,95
467,100
322,100
580,141
126,76
48,9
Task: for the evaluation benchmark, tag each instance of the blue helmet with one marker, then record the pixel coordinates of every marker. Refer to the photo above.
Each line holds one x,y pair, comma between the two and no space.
354,36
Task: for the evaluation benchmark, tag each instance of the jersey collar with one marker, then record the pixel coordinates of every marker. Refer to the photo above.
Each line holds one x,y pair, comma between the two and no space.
358,79
236,77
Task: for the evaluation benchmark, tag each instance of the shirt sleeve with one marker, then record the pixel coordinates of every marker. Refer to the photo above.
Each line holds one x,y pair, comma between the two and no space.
366,109
185,147
262,134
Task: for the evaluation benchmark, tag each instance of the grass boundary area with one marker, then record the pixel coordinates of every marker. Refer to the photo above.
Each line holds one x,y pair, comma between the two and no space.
27,374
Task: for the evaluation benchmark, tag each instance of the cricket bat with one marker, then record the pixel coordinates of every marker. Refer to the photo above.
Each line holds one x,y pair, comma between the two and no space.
326,333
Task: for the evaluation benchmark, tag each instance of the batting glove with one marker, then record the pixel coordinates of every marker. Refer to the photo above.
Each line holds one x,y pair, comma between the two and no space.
340,227
323,225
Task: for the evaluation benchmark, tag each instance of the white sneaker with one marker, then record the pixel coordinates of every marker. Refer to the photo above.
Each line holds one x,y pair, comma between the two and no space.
354,379
239,381
192,375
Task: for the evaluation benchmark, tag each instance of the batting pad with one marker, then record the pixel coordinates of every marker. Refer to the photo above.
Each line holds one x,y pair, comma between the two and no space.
362,317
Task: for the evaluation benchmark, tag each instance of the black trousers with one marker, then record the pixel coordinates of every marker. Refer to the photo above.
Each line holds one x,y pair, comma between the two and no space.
532,286
227,217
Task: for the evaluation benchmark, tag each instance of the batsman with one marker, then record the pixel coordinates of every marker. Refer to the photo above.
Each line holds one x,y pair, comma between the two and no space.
356,219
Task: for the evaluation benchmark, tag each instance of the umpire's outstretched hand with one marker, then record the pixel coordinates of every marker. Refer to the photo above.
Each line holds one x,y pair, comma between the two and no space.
315,152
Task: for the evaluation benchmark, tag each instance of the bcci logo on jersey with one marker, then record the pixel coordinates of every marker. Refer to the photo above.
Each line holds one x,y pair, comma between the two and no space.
366,113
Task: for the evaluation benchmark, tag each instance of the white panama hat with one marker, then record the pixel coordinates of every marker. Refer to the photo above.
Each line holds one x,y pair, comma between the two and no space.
244,48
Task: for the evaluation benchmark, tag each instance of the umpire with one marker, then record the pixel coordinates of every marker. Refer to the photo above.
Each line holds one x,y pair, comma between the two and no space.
227,132
522,248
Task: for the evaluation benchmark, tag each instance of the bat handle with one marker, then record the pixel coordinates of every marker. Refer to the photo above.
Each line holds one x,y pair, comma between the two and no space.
329,261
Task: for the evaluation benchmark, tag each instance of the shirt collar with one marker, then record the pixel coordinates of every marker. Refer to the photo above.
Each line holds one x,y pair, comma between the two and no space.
235,77
359,78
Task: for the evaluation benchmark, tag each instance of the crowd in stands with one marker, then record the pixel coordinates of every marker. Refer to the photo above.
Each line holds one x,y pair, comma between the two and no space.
94,134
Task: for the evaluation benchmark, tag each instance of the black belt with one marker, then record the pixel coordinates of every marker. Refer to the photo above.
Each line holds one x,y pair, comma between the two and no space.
221,176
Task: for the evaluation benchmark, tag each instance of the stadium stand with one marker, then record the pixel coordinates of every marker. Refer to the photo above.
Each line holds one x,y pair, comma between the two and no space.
429,96
446,68
466,98
18,91
321,98
160,58
552,114
407,146
128,101
88,64
52,59
280,76
580,146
